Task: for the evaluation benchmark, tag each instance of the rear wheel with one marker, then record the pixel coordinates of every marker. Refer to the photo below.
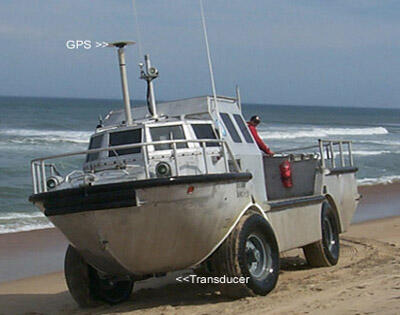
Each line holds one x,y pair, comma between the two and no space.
88,287
325,252
249,253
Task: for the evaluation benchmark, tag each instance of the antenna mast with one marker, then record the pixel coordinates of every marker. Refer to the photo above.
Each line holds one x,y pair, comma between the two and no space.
149,75
139,38
203,20
124,79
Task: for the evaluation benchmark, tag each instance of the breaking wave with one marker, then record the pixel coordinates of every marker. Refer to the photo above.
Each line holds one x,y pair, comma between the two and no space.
369,153
18,215
322,132
17,222
22,226
33,136
380,180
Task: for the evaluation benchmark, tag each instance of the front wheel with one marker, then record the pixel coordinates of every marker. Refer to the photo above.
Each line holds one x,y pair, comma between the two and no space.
250,256
325,252
88,287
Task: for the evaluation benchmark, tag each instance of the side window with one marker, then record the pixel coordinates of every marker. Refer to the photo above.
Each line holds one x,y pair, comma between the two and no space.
205,131
243,128
231,128
125,137
167,133
95,143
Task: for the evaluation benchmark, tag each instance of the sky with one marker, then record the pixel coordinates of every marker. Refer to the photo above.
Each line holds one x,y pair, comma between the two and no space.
305,52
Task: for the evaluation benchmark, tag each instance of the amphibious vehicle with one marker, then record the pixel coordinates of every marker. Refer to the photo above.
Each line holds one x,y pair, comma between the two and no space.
182,184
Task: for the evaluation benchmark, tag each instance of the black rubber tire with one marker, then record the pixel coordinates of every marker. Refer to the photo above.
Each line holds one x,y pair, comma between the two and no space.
232,258
111,292
325,252
85,285
78,280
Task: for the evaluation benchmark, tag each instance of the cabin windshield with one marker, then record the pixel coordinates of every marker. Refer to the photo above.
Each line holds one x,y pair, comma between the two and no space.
205,131
124,138
231,128
168,133
95,143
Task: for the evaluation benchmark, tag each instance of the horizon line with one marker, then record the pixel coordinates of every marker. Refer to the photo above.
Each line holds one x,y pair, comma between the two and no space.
244,103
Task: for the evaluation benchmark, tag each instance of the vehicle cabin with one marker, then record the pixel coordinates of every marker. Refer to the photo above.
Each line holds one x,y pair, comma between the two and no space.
190,121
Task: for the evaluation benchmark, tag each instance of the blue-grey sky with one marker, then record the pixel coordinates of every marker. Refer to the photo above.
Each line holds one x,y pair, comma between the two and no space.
316,52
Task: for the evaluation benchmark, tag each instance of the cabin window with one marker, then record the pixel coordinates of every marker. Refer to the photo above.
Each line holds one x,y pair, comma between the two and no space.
231,128
167,133
124,138
243,128
205,131
95,143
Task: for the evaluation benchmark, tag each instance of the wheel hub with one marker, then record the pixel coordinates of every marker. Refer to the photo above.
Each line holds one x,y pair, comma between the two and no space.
258,257
330,239
329,235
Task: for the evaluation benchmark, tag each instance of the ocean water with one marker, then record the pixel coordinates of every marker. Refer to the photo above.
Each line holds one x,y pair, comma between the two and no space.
34,127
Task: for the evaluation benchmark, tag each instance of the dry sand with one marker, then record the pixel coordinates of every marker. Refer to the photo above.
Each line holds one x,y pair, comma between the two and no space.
366,281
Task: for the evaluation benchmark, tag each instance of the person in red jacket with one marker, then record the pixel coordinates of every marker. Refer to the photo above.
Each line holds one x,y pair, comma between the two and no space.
252,124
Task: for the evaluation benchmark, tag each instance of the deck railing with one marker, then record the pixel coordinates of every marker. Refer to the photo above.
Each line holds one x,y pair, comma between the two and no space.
39,167
328,151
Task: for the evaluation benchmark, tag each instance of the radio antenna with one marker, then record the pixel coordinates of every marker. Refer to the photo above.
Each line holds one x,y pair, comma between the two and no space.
139,39
203,20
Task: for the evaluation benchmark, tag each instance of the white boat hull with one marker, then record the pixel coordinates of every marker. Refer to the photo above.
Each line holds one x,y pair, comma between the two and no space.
171,228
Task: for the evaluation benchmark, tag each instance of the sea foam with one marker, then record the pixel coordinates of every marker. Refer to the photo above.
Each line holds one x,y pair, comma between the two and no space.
11,222
33,136
381,180
322,132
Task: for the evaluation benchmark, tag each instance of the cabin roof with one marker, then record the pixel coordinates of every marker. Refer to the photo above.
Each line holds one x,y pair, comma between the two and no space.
196,106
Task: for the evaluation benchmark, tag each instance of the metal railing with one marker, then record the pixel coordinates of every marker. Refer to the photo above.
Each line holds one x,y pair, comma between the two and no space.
327,152
39,167
329,147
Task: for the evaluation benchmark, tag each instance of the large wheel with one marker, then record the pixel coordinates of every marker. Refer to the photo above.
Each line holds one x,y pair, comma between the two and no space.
250,251
87,287
325,252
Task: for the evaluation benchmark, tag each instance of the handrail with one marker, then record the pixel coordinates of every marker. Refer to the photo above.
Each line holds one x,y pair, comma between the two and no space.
330,152
328,146
334,142
127,146
297,149
38,165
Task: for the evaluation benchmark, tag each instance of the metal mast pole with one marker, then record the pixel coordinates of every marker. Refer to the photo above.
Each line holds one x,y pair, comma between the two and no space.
238,98
124,78
203,20
124,83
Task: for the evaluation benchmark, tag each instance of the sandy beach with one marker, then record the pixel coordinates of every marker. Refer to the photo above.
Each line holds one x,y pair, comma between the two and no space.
366,280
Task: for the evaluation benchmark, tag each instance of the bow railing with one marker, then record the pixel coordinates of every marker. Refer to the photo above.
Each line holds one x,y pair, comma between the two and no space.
40,169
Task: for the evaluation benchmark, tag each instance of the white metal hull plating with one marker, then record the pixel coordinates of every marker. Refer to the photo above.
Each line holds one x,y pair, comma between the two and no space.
342,188
171,229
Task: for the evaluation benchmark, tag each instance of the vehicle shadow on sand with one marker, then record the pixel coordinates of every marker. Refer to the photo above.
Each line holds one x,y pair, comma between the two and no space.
167,298
293,263
172,296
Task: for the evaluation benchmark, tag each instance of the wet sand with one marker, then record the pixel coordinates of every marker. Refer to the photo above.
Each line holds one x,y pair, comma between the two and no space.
378,201
366,280
30,253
